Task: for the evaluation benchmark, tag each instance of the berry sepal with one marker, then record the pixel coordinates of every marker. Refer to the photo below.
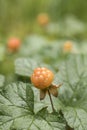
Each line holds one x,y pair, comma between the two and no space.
53,89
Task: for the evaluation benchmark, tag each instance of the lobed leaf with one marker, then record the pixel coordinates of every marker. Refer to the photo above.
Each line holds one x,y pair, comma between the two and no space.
73,93
25,66
76,118
17,111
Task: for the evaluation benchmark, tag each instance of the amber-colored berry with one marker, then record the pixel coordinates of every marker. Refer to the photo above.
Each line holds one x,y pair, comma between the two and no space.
68,46
42,78
13,44
42,19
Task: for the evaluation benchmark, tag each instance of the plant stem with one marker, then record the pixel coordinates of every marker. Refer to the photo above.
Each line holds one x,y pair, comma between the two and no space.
51,101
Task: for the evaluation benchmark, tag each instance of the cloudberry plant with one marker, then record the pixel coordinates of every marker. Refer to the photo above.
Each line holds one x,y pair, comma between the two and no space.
42,79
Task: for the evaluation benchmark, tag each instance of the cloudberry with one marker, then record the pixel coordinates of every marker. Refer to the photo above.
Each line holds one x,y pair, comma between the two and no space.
42,19
13,44
68,46
42,78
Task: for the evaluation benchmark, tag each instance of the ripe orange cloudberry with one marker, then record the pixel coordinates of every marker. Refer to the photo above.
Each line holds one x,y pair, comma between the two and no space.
42,78
68,46
43,19
13,44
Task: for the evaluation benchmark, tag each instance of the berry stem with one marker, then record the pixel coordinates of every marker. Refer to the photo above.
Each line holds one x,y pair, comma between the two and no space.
51,100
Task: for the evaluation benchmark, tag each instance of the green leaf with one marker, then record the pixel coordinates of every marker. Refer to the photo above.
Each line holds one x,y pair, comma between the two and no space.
25,66
53,119
76,118
2,79
73,93
16,106
30,97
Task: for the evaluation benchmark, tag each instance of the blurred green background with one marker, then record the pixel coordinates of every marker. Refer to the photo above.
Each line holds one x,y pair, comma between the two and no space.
67,20
18,17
